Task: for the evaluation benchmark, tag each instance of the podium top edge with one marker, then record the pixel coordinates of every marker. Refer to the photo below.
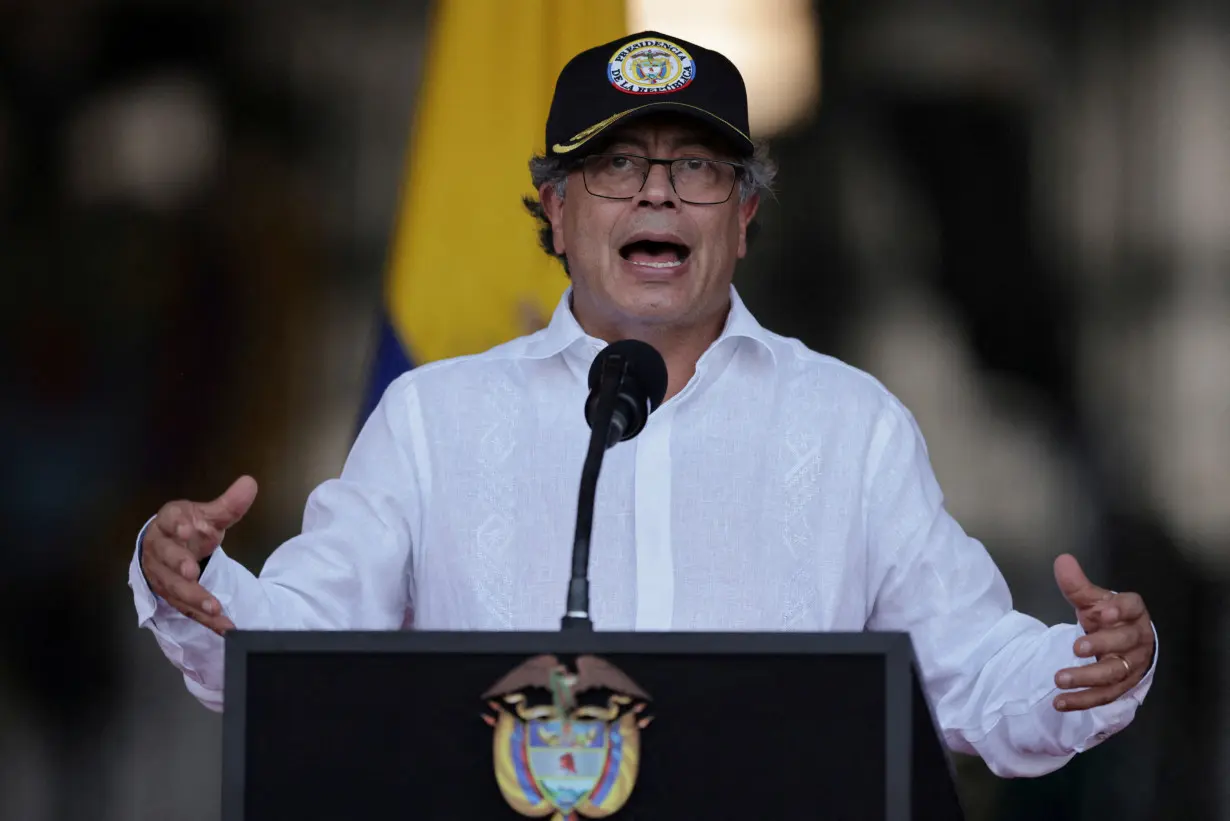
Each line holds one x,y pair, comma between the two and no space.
474,642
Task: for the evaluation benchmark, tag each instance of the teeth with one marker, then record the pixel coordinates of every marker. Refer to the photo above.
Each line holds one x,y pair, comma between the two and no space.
669,264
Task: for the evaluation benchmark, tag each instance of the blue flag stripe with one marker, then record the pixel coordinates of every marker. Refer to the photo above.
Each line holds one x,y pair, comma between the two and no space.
391,361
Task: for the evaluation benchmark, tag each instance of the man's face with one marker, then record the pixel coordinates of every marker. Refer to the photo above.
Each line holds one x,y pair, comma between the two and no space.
652,259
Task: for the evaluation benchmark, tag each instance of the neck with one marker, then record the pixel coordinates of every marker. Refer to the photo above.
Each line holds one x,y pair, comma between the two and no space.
681,345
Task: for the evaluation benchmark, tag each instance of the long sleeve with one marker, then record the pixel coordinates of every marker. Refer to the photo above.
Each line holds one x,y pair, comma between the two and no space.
988,669
350,567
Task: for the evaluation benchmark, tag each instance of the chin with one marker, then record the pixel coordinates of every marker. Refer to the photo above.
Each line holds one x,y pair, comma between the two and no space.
654,302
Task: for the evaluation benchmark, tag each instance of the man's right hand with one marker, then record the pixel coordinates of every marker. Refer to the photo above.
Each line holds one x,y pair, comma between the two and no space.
181,535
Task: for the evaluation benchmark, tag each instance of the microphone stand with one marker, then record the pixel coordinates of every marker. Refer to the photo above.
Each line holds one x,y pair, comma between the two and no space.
576,612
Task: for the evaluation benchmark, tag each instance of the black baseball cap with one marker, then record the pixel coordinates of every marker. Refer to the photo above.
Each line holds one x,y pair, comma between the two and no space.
641,74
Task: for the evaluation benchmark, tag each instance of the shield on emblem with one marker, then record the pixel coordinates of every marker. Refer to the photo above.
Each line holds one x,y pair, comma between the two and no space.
651,67
648,73
567,759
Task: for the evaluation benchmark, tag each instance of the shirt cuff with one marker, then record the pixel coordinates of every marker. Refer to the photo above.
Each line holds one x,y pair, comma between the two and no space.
146,599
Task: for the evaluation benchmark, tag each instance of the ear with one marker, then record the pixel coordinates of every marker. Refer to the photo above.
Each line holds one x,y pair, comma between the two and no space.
747,212
553,205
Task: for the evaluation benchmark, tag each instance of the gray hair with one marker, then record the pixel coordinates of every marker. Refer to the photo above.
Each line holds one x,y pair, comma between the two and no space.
757,175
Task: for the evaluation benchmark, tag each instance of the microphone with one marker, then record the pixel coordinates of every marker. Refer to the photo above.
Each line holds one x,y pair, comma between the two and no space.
638,375
627,382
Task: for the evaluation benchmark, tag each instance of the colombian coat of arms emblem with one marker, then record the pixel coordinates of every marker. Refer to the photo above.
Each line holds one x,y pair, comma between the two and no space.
566,743
651,66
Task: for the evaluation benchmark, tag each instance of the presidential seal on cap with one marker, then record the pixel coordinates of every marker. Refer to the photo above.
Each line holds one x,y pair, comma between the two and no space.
651,66
645,73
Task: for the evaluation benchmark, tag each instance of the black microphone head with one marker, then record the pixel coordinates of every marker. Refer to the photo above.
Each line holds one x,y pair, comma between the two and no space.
644,382
645,366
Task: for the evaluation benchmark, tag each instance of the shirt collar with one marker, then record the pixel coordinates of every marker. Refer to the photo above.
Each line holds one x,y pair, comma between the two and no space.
564,332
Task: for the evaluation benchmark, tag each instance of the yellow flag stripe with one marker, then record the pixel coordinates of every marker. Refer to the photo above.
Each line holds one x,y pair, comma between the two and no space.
465,269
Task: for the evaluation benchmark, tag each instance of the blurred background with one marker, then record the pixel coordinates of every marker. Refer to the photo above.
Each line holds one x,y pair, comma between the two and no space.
1014,214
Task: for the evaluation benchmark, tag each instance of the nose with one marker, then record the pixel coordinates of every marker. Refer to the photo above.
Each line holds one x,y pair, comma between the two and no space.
657,192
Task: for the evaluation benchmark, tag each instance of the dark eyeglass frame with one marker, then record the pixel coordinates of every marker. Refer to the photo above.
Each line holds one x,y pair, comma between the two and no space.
739,169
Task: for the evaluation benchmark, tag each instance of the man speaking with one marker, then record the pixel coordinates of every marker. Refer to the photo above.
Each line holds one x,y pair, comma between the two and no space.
774,489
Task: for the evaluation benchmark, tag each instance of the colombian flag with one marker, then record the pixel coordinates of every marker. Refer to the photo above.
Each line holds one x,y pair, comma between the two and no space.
465,271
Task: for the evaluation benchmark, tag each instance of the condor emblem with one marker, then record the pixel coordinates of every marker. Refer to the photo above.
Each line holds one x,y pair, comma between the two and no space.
567,744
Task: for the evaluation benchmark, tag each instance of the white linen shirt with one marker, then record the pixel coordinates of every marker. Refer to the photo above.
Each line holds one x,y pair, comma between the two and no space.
779,490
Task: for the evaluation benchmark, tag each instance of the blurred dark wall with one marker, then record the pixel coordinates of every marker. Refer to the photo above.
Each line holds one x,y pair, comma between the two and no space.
930,179
173,242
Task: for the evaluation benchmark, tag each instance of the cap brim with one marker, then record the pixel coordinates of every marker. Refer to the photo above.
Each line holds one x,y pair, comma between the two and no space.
576,146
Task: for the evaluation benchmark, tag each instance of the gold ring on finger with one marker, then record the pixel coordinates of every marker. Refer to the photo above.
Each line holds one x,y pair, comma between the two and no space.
1127,665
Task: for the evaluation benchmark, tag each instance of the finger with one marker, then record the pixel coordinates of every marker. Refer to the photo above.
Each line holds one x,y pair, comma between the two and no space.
203,539
172,517
191,599
1087,618
1075,586
219,624
176,523
231,506
180,592
1093,697
1122,607
1108,640
171,554
1103,673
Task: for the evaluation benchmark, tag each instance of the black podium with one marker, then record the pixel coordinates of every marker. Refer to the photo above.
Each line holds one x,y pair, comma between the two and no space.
631,726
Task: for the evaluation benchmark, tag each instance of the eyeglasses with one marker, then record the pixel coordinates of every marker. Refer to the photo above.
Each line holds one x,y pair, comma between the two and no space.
696,180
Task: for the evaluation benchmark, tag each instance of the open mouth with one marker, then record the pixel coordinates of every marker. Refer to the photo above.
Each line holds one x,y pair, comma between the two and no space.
655,253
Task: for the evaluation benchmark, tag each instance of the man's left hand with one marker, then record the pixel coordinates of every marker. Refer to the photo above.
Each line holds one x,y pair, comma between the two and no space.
1118,633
